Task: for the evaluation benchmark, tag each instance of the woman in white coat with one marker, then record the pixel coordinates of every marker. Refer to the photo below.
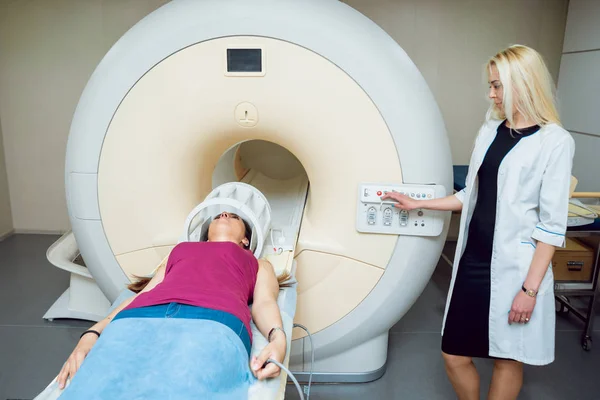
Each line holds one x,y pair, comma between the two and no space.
514,214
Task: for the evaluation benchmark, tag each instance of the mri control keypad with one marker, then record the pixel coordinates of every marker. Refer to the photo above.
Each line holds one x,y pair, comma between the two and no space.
377,216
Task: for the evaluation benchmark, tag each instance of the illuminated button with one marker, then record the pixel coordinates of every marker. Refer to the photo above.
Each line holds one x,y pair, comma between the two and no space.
379,193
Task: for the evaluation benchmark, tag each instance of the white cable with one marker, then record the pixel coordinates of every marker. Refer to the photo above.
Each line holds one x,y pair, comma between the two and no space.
312,358
273,241
270,360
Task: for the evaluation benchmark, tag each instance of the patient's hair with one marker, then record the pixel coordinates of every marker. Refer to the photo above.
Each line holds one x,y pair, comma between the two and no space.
141,282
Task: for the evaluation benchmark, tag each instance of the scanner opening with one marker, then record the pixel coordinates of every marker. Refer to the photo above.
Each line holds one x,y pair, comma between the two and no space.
256,156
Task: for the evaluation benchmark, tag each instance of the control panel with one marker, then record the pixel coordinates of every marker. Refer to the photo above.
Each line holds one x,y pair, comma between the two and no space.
374,215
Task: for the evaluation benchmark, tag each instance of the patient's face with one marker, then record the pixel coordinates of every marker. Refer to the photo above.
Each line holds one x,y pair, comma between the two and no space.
227,227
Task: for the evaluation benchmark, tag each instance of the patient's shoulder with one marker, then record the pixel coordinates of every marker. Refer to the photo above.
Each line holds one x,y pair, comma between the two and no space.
264,263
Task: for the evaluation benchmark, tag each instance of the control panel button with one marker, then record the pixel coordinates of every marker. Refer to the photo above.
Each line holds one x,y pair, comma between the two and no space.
387,216
371,216
403,218
375,215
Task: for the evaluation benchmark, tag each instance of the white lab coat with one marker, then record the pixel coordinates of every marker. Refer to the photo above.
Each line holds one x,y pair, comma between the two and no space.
532,206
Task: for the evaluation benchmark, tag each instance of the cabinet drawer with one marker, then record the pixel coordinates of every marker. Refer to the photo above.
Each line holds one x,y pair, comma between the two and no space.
573,263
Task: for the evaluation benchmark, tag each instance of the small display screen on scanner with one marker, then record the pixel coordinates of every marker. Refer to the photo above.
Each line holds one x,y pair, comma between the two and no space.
244,60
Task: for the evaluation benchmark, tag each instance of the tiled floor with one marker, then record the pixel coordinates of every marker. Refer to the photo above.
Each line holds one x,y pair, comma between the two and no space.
32,350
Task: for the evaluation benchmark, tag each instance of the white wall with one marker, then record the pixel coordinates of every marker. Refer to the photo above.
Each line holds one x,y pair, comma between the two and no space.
6,225
451,40
579,89
49,49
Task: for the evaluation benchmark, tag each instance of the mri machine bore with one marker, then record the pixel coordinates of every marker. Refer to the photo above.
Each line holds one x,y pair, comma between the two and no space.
310,102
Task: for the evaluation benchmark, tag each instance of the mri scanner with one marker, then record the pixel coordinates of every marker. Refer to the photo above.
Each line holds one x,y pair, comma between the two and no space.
306,100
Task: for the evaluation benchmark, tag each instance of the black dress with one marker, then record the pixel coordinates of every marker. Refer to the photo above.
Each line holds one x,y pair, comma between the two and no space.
466,332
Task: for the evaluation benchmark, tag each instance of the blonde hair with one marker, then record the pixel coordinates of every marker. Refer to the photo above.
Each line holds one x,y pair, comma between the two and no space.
528,87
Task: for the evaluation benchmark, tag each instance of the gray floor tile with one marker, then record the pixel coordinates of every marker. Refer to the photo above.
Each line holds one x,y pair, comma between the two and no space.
29,284
573,375
415,371
32,357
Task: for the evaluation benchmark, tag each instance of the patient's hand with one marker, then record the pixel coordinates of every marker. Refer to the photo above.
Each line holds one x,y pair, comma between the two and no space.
274,350
76,359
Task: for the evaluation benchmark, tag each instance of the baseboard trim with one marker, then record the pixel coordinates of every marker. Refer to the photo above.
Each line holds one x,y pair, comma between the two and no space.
349,377
7,235
38,232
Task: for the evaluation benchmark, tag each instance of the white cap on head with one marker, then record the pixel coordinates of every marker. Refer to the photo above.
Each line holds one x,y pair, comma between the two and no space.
236,197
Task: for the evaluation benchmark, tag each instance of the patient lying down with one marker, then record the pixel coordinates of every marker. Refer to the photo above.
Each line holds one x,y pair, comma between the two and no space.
205,283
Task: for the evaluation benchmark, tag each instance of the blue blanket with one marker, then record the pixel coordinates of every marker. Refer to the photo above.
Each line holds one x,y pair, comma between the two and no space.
151,358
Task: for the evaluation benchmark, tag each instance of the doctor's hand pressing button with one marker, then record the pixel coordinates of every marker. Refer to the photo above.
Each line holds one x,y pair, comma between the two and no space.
448,203
404,202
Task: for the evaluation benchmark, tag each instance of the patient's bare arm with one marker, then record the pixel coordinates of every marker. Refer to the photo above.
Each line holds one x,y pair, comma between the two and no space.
86,343
266,315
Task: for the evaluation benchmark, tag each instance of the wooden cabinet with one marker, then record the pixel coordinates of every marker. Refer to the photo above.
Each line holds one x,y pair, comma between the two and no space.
573,262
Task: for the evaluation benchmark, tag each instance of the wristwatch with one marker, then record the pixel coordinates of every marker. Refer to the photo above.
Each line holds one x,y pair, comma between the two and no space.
529,292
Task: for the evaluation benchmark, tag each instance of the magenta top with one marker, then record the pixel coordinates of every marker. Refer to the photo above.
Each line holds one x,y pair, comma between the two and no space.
216,275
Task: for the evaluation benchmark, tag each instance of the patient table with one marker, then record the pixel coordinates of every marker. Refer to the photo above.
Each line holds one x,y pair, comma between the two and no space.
287,199
259,390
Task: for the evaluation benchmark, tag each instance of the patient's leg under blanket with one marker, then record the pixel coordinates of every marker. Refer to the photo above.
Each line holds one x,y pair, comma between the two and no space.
151,358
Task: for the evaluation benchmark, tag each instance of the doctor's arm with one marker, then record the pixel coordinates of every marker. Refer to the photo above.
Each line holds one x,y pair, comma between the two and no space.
550,231
449,203
539,265
88,340
453,202
554,210
266,316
